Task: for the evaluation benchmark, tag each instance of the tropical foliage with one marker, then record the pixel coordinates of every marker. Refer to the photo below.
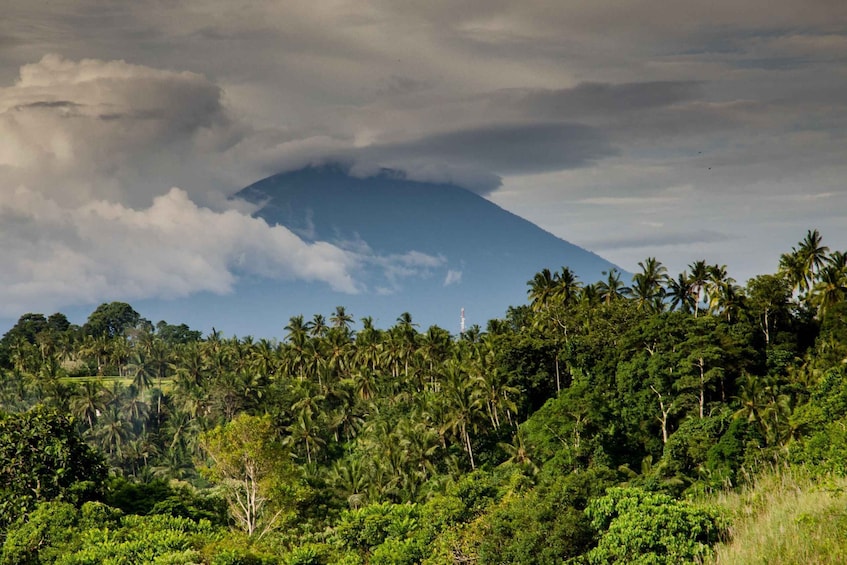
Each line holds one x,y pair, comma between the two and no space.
586,426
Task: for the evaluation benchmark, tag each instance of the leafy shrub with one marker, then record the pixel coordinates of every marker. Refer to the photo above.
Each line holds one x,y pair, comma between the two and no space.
42,457
546,524
640,527
51,526
368,527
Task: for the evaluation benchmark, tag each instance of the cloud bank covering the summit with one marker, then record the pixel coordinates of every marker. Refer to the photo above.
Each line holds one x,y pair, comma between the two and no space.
89,146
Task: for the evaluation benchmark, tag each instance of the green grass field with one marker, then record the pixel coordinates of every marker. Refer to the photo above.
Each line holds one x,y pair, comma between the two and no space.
109,380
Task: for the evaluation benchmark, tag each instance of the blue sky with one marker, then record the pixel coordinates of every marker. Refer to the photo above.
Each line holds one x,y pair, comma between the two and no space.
681,130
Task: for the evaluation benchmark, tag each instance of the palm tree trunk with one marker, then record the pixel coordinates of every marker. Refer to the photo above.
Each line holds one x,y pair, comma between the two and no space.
468,445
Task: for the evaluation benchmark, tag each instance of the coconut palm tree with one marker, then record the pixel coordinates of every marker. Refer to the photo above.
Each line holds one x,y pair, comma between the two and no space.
464,404
648,286
305,430
728,300
296,339
349,479
699,279
567,286
681,293
612,288
142,371
317,327
542,289
341,319
113,432
791,267
831,285
812,253
89,401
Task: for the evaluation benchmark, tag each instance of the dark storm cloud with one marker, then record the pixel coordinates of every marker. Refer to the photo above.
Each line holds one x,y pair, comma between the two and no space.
514,149
597,98
50,104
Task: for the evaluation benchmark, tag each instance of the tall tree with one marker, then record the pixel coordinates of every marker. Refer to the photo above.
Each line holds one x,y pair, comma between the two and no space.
612,288
542,288
831,286
648,285
260,484
111,319
698,280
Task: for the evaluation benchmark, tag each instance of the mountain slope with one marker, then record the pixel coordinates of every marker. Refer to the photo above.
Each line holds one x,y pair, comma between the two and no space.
485,254
426,249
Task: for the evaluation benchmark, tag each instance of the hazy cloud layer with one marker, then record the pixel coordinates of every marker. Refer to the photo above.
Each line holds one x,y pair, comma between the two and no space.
89,147
666,125
57,255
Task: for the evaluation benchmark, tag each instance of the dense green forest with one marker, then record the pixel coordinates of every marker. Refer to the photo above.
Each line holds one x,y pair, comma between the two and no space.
660,422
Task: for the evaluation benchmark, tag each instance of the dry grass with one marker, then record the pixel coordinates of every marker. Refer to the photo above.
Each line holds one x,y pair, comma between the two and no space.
786,518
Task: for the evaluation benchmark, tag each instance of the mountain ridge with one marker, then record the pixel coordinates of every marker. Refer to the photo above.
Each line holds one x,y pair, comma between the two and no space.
481,244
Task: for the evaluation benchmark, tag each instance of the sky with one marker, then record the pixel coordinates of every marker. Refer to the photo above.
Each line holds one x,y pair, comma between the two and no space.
640,128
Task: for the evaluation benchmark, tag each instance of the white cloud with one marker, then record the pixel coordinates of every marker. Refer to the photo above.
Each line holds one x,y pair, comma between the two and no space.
108,129
88,149
453,277
55,255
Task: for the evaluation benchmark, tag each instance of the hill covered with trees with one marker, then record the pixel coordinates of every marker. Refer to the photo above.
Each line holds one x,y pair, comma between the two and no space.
613,422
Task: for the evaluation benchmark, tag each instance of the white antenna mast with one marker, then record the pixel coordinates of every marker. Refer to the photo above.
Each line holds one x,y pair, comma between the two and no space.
462,323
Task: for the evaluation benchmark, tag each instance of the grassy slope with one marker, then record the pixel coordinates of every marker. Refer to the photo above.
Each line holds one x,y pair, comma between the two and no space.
167,384
786,518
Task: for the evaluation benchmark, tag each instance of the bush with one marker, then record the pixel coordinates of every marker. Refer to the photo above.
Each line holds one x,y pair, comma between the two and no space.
640,527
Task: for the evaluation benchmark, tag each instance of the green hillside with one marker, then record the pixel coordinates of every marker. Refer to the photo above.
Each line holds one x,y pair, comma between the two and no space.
673,418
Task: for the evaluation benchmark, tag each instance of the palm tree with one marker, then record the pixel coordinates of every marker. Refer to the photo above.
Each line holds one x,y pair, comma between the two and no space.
142,371
305,430
113,432
297,338
89,401
791,267
612,288
698,280
349,479
831,287
647,288
297,330
567,286
368,345
317,327
719,286
464,403
729,300
339,350
190,377
119,353
542,288
341,319
681,293
812,253
590,295
497,394
135,409
518,452
181,430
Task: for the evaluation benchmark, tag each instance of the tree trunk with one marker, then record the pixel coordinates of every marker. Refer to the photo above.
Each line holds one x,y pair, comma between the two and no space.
665,413
702,365
468,445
